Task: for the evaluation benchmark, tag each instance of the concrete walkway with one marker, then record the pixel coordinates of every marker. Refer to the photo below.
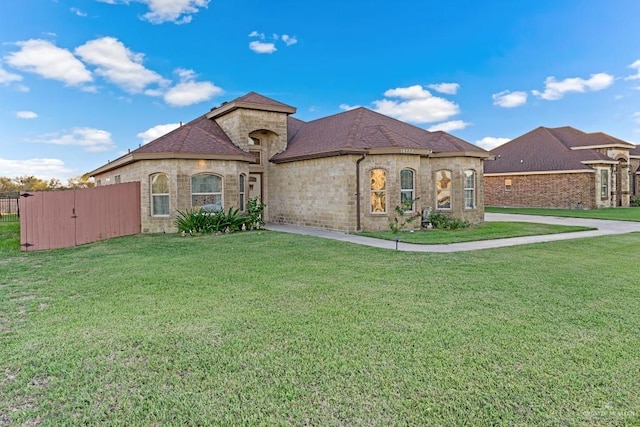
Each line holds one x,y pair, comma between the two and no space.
603,228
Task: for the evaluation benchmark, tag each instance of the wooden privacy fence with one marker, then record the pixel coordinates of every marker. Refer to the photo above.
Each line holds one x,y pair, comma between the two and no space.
59,219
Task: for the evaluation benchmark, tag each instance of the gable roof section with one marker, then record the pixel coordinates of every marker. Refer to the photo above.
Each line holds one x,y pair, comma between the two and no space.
364,131
251,101
199,139
551,149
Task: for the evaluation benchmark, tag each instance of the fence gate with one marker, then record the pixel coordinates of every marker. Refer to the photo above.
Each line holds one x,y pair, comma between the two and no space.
9,210
59,219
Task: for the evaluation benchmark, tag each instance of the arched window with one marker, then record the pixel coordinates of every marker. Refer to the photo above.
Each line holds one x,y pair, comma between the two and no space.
407,190
159,195
378,191
469,189
206,192
443,189
241,193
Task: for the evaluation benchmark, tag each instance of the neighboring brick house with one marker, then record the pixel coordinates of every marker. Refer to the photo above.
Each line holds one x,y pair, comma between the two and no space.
345,172
562,168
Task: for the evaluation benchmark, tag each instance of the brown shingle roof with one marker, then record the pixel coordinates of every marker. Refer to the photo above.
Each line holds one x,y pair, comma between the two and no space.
361,130
251,101
200,136
550,149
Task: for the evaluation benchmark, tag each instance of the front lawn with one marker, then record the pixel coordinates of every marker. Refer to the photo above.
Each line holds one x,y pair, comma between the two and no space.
267,328
622,214
484,231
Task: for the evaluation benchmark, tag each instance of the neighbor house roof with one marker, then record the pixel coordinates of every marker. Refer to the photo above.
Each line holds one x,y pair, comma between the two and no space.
364,131
201,138
552,149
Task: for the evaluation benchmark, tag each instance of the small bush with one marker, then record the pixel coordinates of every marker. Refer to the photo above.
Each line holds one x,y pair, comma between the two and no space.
403,217
635,202
197,221
445,222
254,214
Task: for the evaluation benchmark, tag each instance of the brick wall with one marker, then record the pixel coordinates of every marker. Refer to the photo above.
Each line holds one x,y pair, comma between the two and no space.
544,190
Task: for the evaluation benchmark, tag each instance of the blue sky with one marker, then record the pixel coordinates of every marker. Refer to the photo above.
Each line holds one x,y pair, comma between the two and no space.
83,81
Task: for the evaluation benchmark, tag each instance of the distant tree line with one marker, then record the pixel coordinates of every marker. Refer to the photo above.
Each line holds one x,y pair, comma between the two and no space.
31,183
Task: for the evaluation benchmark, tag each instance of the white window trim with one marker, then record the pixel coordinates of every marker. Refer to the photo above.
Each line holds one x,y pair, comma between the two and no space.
154,195
474,203
412,190
221,193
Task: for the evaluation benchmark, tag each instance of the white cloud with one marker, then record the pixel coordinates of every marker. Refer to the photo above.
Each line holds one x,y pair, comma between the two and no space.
260,47
91,139
556,89
448,88
176,11
156,132
257,34
188,91
449,126
636,66
7,77
347,107
508,99
49,61
117,64
490,142
40,168
417,105
289,40
26,115
78,12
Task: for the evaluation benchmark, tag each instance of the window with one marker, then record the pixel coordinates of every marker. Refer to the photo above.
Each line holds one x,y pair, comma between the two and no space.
255,141
117,179
206,192
378,191
256,157
159,195
443,186
407,187
469,189
507,184
604,184
241,193
98,183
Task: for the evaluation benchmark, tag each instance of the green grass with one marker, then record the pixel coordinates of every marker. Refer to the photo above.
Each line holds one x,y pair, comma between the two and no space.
9,238
268,328
621,214
484,231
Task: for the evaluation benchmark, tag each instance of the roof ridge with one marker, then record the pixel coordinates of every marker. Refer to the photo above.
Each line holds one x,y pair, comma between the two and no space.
355,126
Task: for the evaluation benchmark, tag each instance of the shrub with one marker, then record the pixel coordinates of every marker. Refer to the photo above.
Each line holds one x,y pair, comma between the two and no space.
254,214
403,217
635,202
445,222
200,221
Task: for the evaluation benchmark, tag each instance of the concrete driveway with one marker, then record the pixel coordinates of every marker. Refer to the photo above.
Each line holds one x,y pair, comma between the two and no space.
603,228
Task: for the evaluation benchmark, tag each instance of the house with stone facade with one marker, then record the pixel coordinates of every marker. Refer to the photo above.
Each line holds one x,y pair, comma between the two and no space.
344,172
562,168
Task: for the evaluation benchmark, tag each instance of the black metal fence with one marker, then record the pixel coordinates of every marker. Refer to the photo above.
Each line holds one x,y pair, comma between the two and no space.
9,207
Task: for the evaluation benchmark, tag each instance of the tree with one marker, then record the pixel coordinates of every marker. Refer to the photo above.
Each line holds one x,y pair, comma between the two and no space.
83,181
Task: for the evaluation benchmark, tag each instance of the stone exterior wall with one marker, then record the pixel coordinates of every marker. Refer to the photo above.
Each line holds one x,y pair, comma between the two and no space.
316,193
322,192
457,166
563,190
179,172
270,128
